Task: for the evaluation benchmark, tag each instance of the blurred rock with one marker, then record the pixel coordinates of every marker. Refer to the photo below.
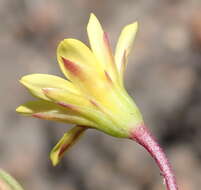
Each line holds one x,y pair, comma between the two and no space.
196,28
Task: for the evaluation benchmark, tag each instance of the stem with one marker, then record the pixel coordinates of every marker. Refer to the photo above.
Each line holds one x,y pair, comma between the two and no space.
7,182
143,136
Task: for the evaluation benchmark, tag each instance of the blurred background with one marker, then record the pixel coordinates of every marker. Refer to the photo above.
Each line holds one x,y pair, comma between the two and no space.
164,76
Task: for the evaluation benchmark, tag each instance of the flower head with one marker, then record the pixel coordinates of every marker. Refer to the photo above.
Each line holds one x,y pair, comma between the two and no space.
93,96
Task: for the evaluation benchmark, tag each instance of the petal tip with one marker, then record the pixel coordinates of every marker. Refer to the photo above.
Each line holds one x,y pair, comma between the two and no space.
18,109
133,27
23,80
23,110
93,21
92,14
92,17
54,159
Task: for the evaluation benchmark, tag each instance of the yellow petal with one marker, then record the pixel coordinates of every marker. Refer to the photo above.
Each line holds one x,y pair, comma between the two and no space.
61,95
36,82
50,111
99,119
124,46
100,46
79,65
68,139
79,57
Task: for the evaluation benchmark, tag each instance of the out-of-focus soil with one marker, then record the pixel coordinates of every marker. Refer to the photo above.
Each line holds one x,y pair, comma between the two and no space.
164,76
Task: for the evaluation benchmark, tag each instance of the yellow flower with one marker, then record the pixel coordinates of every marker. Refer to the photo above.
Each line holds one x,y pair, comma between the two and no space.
93,96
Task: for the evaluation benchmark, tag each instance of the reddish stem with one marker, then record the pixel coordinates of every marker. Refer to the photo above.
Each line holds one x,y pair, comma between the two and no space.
143,136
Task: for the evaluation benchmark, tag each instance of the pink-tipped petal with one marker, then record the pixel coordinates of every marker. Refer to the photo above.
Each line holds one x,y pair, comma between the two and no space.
72,67
68,139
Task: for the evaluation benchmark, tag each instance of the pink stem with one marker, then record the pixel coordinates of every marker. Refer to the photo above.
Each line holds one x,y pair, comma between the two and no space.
143,136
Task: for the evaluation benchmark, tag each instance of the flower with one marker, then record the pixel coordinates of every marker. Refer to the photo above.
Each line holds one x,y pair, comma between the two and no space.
93,96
